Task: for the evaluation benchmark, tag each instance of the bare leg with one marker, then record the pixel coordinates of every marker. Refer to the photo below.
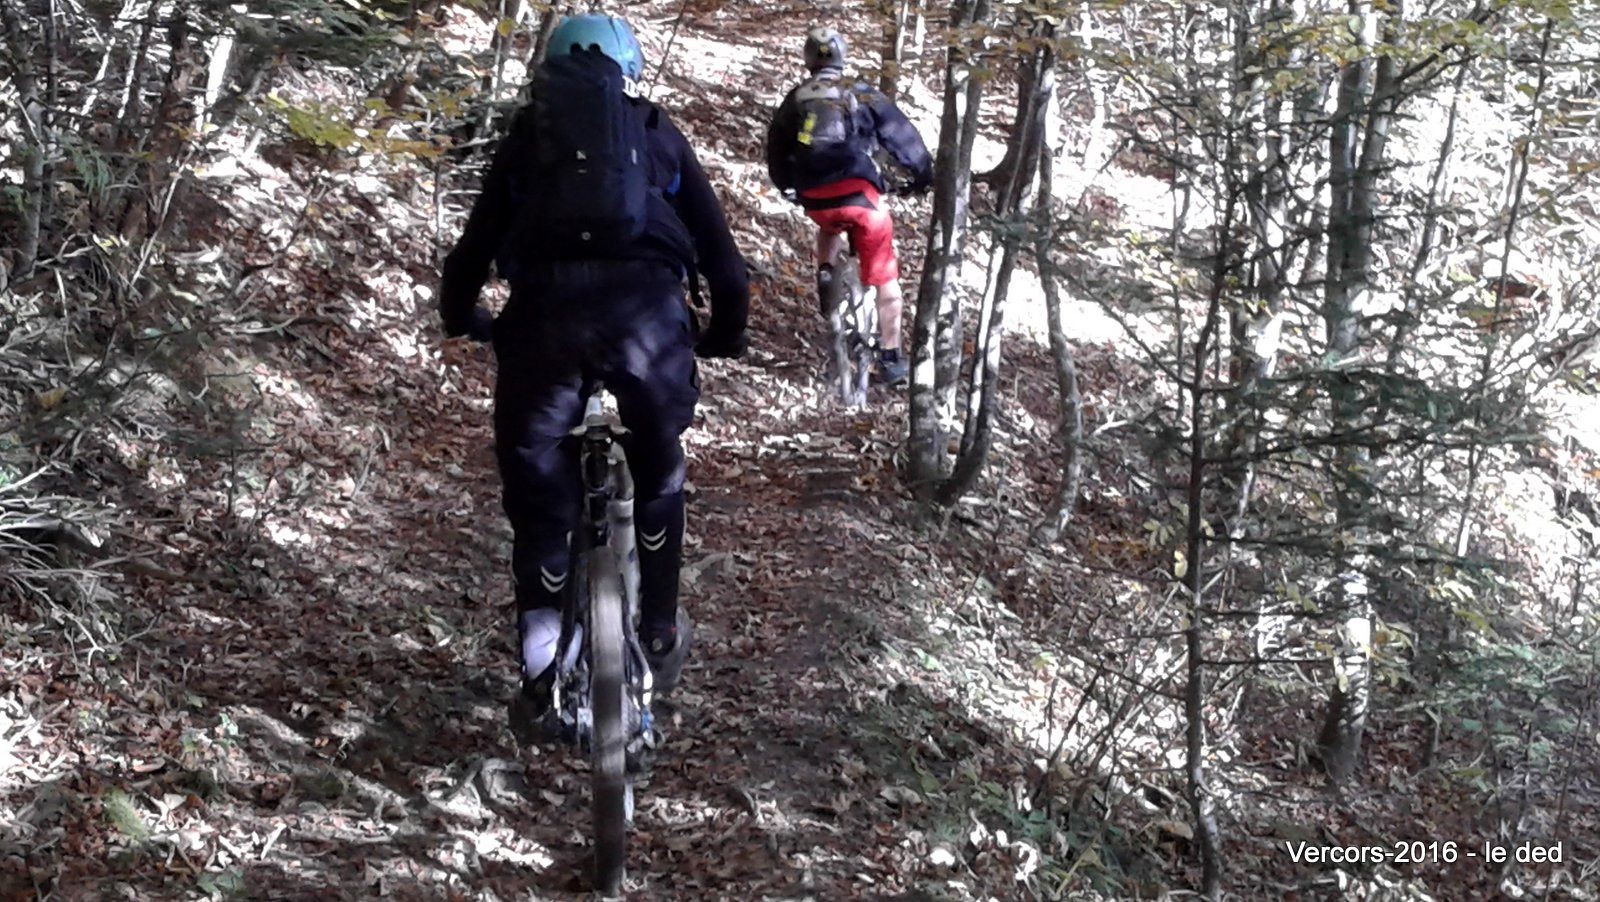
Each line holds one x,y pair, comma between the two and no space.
829,246
830,250
890,301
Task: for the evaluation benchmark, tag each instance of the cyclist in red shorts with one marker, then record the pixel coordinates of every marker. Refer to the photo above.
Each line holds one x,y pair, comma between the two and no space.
820,147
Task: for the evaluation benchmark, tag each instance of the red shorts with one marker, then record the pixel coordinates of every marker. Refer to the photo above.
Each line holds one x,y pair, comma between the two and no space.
870,229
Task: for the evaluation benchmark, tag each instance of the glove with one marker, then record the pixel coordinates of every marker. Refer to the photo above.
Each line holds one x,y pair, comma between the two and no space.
478,326
720,343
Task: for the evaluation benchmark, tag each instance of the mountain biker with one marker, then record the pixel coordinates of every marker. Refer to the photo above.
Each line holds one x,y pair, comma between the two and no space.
820,147
595,238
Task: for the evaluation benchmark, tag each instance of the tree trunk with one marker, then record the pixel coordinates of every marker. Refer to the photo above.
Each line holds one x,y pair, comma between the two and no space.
1098,139
30,112
547,27
1070,407
499,43
1257,318
49,115
219,57
919,34
997,178
143,215
1194,696
1195,532
894,39
936,330
1363,113
1438,189
489,82
1015,202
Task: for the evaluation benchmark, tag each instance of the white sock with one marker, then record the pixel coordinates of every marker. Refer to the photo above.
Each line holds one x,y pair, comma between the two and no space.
541,630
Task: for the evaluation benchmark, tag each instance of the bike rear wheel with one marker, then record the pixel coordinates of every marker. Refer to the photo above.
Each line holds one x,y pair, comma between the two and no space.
608,746
853,328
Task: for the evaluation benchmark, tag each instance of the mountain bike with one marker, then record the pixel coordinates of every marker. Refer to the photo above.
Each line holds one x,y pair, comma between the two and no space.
602,691
852,310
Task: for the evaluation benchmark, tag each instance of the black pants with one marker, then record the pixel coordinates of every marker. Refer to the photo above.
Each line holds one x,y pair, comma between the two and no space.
565,326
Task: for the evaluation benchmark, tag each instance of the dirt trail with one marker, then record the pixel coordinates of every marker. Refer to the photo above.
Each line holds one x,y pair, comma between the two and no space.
327,716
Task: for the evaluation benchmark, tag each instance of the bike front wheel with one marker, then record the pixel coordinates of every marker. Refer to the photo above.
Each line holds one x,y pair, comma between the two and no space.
608,745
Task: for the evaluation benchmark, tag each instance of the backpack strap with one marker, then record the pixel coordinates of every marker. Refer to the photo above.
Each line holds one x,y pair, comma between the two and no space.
691,267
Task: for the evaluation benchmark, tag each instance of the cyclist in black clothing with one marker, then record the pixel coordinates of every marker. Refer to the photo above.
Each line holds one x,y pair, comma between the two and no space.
617,315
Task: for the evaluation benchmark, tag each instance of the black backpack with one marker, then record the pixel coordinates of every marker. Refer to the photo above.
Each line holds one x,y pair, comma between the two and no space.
828,132
591,159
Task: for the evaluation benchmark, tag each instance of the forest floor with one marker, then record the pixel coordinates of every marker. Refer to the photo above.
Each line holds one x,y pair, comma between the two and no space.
304,697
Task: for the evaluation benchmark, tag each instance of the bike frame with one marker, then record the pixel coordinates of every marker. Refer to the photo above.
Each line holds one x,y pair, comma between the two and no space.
606,526
601,694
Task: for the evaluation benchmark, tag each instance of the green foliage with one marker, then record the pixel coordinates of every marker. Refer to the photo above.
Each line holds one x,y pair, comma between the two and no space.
223,884
91,165
326,126
123,816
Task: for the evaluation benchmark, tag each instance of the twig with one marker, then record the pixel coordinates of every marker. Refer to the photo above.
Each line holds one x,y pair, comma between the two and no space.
27,732
272,839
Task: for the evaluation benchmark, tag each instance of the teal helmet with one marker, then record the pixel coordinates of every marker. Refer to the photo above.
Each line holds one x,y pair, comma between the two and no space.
607,34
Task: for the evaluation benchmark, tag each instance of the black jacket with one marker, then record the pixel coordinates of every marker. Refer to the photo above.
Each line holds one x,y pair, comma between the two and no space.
876,115
490,233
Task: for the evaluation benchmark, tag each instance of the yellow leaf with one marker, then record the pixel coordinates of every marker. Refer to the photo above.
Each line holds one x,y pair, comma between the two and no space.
50,400
505,27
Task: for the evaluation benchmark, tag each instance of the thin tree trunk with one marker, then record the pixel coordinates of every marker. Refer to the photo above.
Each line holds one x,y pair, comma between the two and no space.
1194,697
1257,320
913,37
1070,406
1000,176
30,119
1438,189
218,56
47,117
936,329
92,94
978,434
1098,139
489,82
894,39
126,138
499,43
130,109
547,27
145,211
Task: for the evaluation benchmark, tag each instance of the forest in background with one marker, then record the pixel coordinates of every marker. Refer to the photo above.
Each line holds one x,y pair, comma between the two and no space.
1244,496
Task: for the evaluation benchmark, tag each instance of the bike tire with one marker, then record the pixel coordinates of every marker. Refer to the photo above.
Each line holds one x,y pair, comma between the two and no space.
848,339
608,746
843,357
